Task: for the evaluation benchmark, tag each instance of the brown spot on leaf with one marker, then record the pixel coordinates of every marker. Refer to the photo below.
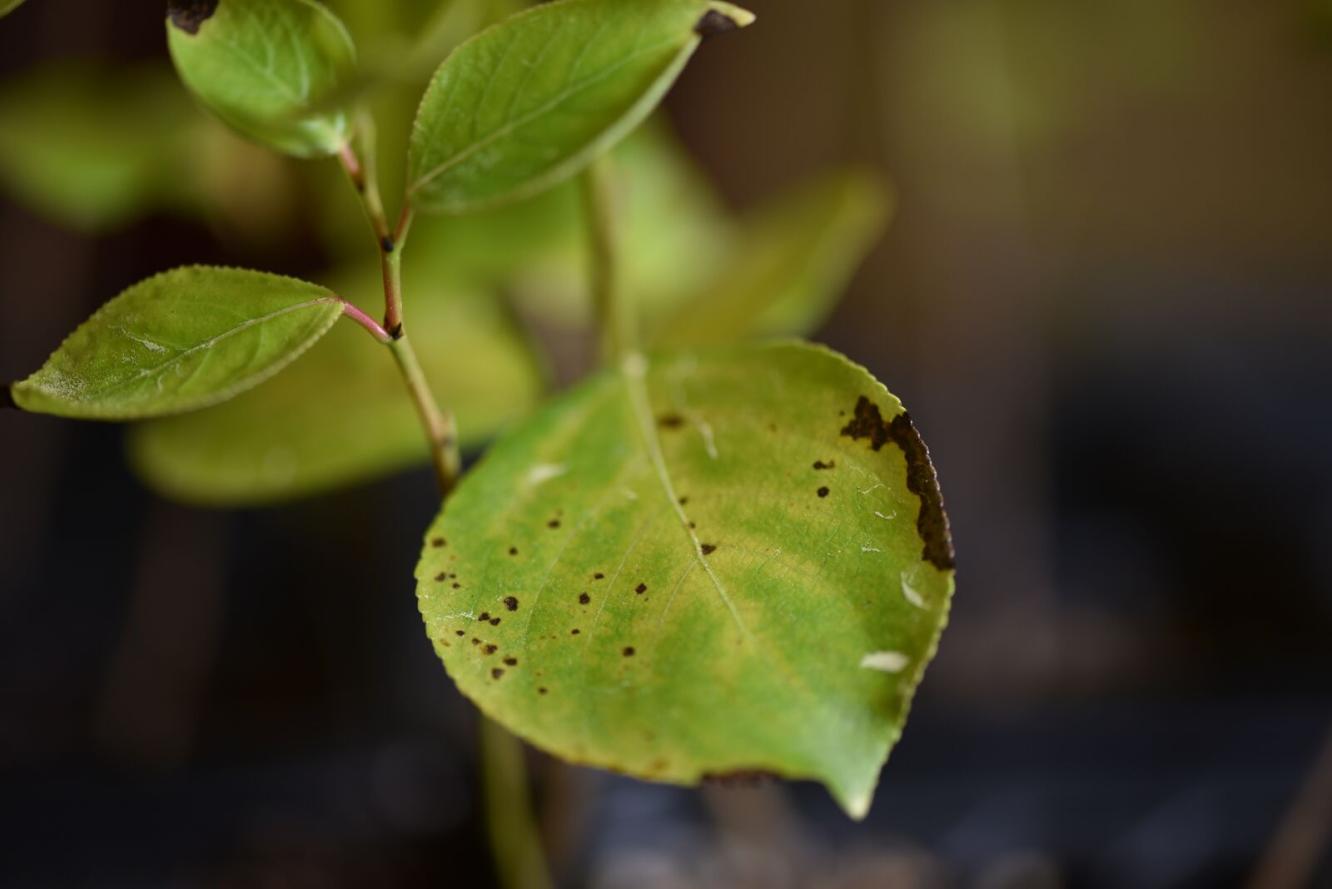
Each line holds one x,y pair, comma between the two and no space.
439,543
708,549
628,651
460,633
684,501
823,492
670,421
490,649
496,673
511,603
442,576
494,621
584,598
553,524
819,464
513,550
511,661
485,616
575,631
932,521
641,589
598,576
456,585
188,15
543,690
476,641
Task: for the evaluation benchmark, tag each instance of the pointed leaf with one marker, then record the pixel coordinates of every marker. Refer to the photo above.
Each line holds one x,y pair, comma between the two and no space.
263,66
720,562
532,100
789,265
340,414
181,340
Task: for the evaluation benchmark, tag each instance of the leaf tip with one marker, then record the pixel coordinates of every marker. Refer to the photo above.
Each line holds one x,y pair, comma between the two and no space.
723,17
189,15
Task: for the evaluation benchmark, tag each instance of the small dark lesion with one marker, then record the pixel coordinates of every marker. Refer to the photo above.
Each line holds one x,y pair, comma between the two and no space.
189,15
713,23
708,548
932,522
511,603
670,421
819,464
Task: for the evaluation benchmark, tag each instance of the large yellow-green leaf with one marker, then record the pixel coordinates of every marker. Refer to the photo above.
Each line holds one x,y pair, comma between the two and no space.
726,561
264,66
530,101
178,341
341,414
788,265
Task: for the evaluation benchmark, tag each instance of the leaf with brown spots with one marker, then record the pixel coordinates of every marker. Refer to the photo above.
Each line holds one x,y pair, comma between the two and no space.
807,620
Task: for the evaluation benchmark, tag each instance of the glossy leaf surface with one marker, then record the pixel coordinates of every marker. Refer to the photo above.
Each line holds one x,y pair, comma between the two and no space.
181,340
531,100
340,414
722,562
264,66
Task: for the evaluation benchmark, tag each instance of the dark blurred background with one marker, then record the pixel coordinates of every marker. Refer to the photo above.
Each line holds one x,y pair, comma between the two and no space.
1105,298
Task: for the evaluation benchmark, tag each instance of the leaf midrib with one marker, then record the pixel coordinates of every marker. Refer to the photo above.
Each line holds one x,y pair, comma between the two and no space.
148,373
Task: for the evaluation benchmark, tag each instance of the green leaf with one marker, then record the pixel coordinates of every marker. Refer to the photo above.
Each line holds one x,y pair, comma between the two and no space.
532,100
181,340
263,66
340,414
8,6
788,266
92,148
719,562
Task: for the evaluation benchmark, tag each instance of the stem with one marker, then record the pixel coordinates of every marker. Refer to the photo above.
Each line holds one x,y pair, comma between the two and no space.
514,837
440,427
514,841
619,335
367,322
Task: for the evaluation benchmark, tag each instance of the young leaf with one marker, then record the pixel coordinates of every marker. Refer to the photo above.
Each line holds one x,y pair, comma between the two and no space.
533,99
263,66
340,415
181,340
721,562
788,266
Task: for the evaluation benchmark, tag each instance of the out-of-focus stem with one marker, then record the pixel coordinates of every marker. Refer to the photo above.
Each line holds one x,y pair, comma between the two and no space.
619,334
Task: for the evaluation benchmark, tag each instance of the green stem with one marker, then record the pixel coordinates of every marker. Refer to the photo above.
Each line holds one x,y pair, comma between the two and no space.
515,841
619,334
440,427
514,837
